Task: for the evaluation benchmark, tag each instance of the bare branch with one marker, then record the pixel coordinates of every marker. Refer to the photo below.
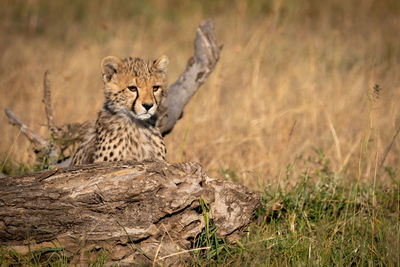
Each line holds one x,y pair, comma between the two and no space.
38,142
199,67
47,105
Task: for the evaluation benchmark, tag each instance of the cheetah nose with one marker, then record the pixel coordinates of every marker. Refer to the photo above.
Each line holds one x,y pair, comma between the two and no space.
147,106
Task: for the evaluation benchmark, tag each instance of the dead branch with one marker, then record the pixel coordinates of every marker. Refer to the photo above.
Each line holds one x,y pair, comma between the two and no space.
47,104
129,209
38,142
199,67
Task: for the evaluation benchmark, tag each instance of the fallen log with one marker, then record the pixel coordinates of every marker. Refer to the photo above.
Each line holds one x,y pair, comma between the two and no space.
146,212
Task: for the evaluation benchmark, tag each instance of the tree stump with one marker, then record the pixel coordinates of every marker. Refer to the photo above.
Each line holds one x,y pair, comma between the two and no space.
146,212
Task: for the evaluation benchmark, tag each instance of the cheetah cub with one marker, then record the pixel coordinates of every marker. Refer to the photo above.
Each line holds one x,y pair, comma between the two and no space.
124,130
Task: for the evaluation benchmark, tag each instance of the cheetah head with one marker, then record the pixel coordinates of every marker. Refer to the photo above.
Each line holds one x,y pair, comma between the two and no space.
133,86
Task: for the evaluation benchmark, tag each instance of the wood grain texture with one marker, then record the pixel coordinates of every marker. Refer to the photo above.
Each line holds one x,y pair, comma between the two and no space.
120,207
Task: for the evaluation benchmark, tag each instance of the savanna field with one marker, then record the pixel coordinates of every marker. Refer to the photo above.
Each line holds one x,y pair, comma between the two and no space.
303,106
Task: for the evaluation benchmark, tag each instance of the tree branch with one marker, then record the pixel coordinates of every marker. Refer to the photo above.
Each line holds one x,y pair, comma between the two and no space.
38,142
47,105
199,67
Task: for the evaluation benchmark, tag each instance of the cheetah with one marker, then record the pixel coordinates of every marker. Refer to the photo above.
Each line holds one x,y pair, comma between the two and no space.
125,130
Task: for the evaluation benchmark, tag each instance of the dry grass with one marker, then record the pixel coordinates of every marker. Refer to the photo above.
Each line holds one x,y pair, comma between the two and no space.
292,77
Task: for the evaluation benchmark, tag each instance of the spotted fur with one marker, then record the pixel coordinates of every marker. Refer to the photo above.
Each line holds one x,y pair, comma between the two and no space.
124,130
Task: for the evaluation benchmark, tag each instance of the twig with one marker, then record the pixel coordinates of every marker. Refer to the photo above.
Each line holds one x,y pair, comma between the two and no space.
38,142
47,105
182,252
158,250
47,174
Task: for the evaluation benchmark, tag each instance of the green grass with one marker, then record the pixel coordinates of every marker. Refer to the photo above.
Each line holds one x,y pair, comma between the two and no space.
323,219
324,223
13,167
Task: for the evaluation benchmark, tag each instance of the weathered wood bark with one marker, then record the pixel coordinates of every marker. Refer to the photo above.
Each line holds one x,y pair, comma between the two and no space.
137,211
199,67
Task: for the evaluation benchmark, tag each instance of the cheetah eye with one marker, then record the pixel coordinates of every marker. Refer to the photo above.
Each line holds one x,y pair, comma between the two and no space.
132,88
155,88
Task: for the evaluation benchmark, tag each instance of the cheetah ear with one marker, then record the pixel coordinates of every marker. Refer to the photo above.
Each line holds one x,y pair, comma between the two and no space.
161,64
109,66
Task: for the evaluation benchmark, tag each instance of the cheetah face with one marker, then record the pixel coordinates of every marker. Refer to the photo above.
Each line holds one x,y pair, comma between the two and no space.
134,87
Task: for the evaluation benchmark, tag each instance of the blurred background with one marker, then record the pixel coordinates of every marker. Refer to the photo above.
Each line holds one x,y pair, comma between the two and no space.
294,85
